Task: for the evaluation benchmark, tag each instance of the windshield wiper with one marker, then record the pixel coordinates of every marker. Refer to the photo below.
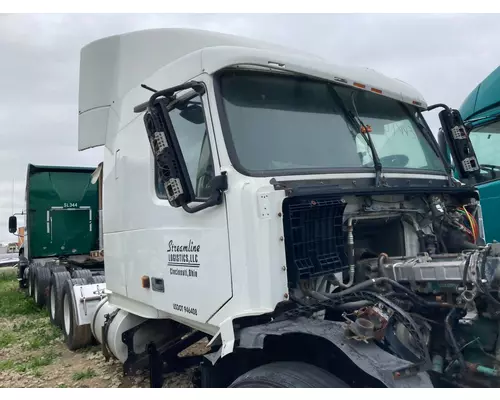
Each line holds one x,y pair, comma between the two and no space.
366,134
486,117
357,124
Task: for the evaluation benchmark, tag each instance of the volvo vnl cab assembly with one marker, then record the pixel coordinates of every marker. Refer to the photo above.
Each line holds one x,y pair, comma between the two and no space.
298,214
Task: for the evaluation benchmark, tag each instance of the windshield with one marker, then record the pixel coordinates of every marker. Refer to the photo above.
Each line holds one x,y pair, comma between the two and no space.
285,124
486,143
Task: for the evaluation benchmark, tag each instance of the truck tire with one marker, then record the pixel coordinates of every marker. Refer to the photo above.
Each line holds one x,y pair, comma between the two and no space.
53,267
81,273
96,279
54,301
31,278
75,336
288,375
57,268
41,284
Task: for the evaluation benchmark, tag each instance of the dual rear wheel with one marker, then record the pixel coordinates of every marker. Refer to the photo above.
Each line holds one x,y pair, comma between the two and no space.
75,336
51,286
55,298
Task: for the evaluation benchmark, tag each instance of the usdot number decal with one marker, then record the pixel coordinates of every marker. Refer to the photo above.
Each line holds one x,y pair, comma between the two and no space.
185,309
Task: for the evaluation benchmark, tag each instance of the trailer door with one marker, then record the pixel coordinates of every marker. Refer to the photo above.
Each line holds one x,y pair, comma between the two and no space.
71,229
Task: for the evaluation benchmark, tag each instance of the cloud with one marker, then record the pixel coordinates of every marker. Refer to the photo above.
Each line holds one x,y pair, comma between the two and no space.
443,56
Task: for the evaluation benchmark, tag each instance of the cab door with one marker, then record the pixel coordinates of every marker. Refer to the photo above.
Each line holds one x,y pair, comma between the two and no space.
185,254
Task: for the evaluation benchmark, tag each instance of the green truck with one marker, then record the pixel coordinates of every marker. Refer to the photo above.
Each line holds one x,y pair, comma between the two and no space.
481,113
62,231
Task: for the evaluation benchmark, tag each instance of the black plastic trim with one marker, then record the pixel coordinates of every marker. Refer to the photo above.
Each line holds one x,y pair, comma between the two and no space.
167,108
364,187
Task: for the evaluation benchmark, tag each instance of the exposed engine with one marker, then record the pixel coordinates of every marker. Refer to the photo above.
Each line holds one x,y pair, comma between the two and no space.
409,272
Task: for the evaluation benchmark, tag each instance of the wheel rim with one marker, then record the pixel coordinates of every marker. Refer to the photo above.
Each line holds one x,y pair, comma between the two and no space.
30,288
52,302
66,311
36,292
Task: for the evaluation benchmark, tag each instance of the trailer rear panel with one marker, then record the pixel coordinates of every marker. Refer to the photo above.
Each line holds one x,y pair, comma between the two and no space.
62,211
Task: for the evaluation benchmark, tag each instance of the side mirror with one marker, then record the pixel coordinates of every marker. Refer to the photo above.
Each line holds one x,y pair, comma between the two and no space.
193,113
167,152
13,224
218,185
168,155
457,139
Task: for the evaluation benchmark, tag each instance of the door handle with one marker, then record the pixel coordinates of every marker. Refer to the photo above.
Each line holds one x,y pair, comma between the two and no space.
117,163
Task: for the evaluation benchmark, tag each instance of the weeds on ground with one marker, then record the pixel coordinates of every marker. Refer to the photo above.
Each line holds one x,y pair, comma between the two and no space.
7,274
35,362
6,338
42,336
30,364
35,332
86,374
6,365
13,301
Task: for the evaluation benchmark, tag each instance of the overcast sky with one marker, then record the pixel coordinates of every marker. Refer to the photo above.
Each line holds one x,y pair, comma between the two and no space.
443,56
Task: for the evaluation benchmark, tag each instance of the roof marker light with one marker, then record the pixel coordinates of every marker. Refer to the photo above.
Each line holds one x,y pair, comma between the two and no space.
376,91
341,80
359,85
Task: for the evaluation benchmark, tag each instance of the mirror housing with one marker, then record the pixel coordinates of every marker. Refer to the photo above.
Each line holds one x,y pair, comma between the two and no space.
167,152
167,155
13,224
457,140
218,186
193,113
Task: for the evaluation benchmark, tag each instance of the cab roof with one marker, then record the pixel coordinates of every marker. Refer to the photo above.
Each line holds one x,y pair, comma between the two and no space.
113,66
483,101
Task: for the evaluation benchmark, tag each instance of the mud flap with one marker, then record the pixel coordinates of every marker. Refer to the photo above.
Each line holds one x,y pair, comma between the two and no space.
367,356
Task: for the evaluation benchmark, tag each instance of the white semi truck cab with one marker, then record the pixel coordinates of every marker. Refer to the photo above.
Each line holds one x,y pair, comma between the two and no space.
299,214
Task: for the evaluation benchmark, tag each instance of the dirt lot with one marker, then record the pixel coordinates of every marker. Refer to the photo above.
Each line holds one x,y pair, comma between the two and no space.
32,353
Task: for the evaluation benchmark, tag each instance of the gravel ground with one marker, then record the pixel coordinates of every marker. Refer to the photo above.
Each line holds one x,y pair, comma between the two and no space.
32,353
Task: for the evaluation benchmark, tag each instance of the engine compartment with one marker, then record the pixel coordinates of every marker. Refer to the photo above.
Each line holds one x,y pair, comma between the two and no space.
410,272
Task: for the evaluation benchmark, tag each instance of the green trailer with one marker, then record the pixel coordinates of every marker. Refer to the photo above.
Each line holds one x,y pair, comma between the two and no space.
62,231
62,212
